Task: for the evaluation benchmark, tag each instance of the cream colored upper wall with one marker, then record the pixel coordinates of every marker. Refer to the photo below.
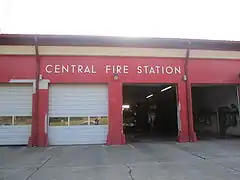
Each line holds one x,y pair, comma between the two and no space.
207,54
117,51
17,50
110,51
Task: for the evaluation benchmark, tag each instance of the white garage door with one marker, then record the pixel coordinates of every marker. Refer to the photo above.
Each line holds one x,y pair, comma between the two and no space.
15,114
78,114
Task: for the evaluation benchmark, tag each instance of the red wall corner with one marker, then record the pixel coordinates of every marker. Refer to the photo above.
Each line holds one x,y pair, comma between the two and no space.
115,133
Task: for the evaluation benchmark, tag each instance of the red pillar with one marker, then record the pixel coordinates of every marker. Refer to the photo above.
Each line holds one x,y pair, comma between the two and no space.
183,135
185,122
115,131
43,113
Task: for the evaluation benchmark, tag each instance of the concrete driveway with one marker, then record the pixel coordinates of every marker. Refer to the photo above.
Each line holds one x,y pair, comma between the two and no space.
204,160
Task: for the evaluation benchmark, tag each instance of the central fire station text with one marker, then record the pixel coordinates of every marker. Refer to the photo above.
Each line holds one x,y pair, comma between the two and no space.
112,69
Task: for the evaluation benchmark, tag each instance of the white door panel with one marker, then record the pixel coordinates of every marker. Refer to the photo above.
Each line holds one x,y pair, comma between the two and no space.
16,100
78,135
15,114
79,100
14,135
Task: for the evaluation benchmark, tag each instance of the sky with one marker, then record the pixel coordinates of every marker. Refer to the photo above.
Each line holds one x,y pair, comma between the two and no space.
194,19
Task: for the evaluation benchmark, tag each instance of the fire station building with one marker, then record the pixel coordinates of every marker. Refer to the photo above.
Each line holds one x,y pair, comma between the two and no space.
66,90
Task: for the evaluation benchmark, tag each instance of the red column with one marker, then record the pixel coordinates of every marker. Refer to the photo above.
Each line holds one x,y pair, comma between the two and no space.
185,122
115,133
43,113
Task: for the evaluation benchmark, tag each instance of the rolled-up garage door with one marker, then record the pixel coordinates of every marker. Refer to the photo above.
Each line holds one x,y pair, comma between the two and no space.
78,114
15,114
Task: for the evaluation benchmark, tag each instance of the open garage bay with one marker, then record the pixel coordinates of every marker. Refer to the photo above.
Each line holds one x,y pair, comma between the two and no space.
216,111
150,112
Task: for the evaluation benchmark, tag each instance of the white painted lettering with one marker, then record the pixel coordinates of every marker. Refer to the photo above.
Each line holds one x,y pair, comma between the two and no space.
65,68
157,69
57,69
169,70
87,70
139,69
163,70
145,69
107,68
119,69
93,70
80,68
177,70
115,69
47,68
73,66
125,69
151,71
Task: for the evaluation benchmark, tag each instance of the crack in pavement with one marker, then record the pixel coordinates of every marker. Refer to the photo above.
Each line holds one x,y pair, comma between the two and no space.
129,171
199,156
228,168
38,168
217,163
192,153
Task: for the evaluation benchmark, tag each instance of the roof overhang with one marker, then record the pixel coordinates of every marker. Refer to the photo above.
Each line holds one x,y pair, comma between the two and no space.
111,41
